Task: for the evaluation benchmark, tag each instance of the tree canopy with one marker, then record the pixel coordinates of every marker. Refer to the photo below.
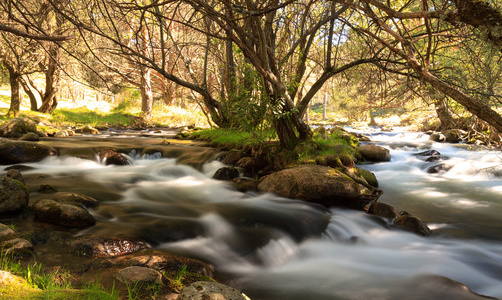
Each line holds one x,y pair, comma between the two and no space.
255,62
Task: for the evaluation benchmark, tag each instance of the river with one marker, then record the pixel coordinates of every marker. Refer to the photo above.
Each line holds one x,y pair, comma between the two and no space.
276,248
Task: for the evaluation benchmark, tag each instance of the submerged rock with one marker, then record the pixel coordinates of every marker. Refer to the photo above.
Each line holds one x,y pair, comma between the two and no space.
69,215
374,153
104,246
226,173
13,152
313,183
413,224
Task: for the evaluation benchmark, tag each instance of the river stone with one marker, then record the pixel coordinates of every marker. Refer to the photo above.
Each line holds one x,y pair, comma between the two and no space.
15,174
14,195
30,136
368,176
88,129
139,275
437,137
80,199
13,152
17,247
6,232
313,183
50,211
15,128
413,224
112,157
104,246
252,164
226,173
163,261
383,210
374,153
233,157
207,290
453,135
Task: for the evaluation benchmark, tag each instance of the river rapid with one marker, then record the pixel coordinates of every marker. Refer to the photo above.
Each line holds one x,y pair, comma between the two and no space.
275,248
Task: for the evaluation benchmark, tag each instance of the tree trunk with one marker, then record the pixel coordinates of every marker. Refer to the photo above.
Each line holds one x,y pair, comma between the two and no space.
15,99
444,115
146,93
324,104
474,106
31,95
286,133
49,101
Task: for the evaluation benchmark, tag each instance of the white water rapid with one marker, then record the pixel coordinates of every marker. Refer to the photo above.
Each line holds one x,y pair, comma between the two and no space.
276,248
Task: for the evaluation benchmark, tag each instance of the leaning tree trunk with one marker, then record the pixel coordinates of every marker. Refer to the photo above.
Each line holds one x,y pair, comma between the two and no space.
31,95
474,106
15,99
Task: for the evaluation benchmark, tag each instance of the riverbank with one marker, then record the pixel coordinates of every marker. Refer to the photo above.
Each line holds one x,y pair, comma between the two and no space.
199,211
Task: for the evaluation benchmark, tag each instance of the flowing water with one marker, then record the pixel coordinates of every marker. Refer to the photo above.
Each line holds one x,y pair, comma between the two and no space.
276,248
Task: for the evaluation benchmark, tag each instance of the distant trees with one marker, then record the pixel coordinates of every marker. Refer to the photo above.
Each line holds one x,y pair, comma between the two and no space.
259,61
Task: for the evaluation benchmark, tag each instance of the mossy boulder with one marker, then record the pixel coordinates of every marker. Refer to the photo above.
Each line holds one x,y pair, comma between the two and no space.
314,183
368,176
15,128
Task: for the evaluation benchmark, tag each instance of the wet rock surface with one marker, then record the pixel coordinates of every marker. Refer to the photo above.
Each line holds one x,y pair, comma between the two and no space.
104,246
14,195
313,183
374,153
70,215
14,152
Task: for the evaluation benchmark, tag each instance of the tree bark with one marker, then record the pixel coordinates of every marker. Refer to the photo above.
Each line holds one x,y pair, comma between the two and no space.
49,100
31,95
15,99
146,92
474,106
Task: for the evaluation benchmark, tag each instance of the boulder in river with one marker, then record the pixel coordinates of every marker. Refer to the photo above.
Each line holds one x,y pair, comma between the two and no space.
13,152
30,136
226,173
413,224
313,183
112,157
383,210
51,211
15,128
14,195
374,153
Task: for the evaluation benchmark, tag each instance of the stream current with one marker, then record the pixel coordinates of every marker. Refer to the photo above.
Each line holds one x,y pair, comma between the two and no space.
275,248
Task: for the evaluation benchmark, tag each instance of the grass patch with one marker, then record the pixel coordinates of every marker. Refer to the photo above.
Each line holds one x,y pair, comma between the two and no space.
33,281
85,116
